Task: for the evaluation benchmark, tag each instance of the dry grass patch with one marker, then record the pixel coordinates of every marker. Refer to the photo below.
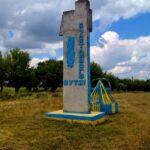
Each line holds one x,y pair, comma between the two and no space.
23,125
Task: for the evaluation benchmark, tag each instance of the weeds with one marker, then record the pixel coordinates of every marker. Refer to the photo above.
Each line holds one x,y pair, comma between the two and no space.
23,124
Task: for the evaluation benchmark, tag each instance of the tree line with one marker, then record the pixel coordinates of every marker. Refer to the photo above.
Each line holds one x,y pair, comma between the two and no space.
16,72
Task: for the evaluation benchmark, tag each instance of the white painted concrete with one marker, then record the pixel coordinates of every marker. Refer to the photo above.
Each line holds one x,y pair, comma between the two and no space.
75,97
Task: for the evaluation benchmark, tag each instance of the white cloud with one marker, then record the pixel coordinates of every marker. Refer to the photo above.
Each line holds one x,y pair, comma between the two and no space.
110,36
121,69
54,45
36,25
50,50
109,11
34,62
123,57
60,58
144,74
35,22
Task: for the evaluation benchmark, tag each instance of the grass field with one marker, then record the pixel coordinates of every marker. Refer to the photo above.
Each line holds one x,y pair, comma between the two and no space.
23,125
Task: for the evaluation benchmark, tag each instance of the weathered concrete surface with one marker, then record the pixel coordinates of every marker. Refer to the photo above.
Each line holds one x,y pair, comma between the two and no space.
76,27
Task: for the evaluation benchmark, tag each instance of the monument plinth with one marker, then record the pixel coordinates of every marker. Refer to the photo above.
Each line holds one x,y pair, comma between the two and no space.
75,28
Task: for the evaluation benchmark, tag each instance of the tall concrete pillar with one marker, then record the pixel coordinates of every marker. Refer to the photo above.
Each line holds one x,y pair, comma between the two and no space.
75,28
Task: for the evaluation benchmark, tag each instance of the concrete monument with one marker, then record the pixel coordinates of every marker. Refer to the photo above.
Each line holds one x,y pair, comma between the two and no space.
75,28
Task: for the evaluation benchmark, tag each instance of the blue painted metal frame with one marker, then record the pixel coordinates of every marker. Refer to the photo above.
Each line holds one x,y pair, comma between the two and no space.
108,108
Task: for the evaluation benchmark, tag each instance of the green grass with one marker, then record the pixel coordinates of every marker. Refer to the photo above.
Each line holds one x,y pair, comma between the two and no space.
23,125
9,94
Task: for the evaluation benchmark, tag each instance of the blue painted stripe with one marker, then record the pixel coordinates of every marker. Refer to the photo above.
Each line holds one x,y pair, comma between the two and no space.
88,71
65,111
71,51
75,117
108,109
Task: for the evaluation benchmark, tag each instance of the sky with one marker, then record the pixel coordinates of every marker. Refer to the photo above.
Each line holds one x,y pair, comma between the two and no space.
120,41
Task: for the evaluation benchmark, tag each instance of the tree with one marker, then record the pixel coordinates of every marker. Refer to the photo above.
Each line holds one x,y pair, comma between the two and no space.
96,72
17,63
31,83
114,81
2,72
50,74
148,85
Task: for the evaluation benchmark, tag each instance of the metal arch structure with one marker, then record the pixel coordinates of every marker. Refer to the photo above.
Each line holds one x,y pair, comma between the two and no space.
108,88
102,100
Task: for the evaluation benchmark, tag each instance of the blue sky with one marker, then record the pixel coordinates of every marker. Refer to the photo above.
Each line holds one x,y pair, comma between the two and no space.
120,41
131,28
134,27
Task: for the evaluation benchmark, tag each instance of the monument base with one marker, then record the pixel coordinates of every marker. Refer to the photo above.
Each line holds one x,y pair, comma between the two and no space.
92,118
